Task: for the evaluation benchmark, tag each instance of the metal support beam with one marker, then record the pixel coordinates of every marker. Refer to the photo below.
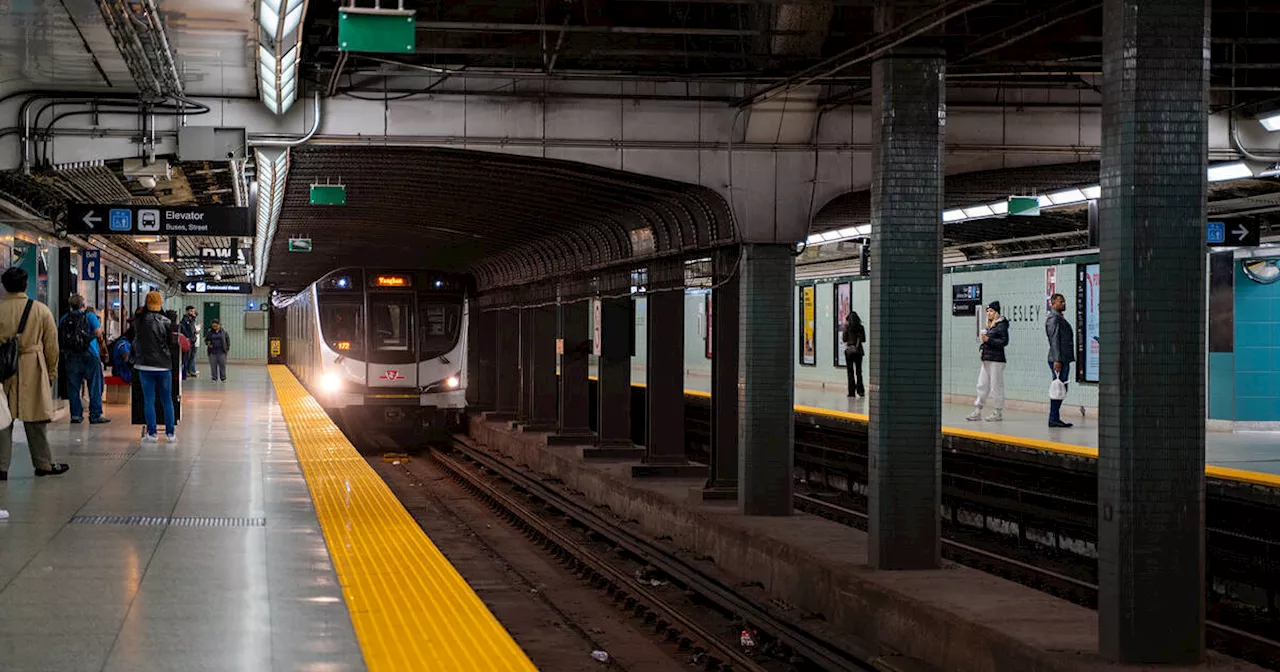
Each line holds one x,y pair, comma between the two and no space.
905,428
723,323
482,338
617,326
542,355
766,379
575,422
524,410
1151,425
506,354
664,381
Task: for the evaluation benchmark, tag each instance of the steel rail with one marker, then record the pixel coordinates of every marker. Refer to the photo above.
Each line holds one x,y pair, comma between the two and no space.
828,655
587,558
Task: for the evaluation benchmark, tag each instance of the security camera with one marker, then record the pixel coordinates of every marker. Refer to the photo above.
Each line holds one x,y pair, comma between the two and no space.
147,182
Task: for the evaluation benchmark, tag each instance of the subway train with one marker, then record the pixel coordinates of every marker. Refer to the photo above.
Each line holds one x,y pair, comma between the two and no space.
383,352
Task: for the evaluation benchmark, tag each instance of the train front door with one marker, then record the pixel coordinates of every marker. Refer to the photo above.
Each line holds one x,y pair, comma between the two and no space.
391,350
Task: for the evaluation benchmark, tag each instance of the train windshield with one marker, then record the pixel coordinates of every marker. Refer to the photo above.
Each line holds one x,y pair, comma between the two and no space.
391,328
342,324
438,328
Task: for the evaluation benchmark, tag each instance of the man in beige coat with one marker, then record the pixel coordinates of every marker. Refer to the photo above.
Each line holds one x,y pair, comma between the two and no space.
30,391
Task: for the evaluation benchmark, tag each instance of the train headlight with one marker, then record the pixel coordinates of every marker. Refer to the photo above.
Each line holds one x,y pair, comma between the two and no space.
331,382
451,382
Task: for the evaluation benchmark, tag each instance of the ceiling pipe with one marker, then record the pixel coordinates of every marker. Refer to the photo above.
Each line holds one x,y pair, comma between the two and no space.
870,49
1234,132
315,128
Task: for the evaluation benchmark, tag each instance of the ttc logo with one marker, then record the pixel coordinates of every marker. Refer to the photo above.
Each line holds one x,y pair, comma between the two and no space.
391,374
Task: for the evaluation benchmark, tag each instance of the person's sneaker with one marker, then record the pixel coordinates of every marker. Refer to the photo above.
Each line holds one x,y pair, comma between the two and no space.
1058,424
996,416
76,421
99,421
53,470
170,438
974,416
150,438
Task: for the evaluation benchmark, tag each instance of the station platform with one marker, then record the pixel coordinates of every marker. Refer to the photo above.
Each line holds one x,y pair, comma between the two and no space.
259,540
1255,453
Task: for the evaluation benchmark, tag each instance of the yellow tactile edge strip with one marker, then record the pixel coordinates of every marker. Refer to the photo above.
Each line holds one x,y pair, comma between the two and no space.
1221,473
411,609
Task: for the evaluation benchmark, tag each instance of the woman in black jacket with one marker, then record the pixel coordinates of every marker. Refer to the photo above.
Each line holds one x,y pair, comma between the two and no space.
991,379
153,362
855,338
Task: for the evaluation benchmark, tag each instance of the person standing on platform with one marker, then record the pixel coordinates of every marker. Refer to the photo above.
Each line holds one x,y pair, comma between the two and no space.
991,378
855,338
153,363
30,388
219,342
187,327
1062,351
78,334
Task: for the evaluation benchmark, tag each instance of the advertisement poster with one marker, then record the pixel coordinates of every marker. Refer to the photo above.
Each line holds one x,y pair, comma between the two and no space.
1089,302
808,330
844,306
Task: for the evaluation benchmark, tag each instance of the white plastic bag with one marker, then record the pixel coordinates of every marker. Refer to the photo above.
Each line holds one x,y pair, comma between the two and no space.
1057,390
6,418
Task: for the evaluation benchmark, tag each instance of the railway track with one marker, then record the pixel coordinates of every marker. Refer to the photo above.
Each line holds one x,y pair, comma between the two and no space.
788,640
1226,639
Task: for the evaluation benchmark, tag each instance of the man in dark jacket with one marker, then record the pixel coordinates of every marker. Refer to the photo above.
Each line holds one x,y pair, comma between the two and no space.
219,342
187,327
1062,351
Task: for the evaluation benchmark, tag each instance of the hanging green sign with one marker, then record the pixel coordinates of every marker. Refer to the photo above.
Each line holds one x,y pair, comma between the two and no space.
1025,206
385,31
328,194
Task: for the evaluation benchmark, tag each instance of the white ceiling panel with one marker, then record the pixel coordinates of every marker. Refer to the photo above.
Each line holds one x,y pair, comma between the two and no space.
58,45
215,42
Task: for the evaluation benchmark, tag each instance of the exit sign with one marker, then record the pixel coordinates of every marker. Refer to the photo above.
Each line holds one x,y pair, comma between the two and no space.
1025,206
299,244
328,194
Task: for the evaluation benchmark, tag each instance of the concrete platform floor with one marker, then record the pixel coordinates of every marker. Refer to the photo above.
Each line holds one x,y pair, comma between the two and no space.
1249,450
228,572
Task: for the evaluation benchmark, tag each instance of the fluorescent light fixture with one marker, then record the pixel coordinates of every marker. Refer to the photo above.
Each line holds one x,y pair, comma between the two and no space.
1092,193
278,78
270,11
851,232
1067,197
1229,171
273,169
1044,201
1000,207
1271,121
815,239
952,215
979,211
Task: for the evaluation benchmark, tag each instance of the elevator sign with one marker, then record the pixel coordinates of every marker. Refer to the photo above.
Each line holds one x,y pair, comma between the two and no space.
208,220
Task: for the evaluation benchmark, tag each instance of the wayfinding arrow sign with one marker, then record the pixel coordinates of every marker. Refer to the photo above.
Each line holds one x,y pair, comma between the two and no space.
1240,234
91,220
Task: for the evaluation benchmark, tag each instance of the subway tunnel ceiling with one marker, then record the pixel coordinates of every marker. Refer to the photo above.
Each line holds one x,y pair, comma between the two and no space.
505,218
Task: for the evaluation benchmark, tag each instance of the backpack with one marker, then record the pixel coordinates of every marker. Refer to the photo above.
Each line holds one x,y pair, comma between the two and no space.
73,333
9,349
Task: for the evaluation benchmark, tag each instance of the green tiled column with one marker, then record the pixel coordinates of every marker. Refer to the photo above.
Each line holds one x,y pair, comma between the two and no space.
1151,565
